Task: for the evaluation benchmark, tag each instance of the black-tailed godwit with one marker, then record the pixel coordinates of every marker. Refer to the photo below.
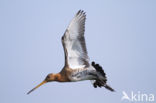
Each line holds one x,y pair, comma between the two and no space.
77,66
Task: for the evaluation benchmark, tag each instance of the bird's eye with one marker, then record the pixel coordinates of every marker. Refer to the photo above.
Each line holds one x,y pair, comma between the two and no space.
48,77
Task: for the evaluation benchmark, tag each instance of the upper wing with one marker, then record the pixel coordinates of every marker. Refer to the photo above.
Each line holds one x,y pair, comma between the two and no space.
73,42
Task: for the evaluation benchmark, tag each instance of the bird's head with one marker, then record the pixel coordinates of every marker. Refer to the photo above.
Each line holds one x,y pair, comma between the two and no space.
49,78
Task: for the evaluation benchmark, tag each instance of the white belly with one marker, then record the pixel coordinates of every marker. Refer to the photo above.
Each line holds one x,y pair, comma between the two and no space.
82,74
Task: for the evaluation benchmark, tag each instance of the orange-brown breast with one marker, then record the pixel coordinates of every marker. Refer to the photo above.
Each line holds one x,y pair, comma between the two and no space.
63,76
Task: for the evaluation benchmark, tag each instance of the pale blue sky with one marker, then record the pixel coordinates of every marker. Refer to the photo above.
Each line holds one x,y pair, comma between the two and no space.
120,36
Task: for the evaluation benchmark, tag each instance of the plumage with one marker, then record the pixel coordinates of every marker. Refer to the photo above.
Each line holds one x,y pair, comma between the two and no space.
77,66
74,42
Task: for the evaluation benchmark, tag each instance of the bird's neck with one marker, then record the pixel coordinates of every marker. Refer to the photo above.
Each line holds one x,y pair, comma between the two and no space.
59,77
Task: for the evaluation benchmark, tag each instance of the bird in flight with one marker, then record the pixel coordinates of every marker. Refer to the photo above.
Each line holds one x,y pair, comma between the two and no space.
77,66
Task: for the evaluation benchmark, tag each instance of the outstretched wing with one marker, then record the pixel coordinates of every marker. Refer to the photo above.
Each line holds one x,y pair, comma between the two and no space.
73,42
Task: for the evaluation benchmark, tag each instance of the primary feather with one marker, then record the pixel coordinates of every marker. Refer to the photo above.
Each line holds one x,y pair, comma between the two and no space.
74,42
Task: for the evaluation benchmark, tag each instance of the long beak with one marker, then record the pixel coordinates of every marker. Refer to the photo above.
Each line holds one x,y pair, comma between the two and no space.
37,86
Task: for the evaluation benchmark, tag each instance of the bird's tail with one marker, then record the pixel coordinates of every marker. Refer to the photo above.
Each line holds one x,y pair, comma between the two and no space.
99,69
101,83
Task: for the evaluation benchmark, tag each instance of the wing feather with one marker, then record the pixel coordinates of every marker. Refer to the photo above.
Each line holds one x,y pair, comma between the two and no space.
74,42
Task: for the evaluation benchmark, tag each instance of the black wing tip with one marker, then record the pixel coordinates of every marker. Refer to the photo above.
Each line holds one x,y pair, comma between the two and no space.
81,12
